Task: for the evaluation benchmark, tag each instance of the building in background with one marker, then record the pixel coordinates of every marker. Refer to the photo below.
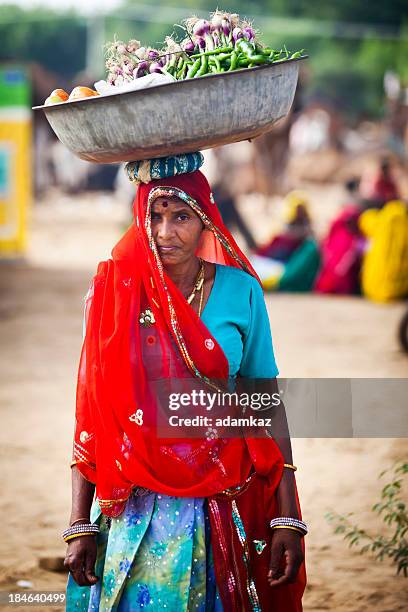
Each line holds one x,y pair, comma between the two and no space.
15,158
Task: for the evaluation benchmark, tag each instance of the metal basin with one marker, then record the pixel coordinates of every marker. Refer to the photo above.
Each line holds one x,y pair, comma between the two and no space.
179,117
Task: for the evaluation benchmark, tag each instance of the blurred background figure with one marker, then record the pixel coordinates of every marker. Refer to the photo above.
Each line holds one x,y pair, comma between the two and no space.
227,171
385,263
290,260
342,248
342,251
380,187
352,189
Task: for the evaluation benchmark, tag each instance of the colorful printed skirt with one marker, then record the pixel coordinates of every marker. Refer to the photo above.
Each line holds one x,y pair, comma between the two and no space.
157,554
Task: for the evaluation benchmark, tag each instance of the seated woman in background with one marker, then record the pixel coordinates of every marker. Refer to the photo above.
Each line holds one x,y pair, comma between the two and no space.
385,265
342,252
290,261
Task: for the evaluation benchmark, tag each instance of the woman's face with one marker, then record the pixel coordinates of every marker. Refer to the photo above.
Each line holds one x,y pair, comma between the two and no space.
176,229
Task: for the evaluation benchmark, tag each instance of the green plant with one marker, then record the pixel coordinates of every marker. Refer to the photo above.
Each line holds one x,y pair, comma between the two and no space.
394,512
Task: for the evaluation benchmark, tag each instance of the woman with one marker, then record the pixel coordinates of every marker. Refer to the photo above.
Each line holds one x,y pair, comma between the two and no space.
384,274
290,261
188,518
342,252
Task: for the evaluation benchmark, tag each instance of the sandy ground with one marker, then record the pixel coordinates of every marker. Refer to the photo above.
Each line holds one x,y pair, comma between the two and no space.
40,326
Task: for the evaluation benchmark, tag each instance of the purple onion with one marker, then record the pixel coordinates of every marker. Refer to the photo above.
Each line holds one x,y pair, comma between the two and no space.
200,42
226,27
155,67
140,70
216,40
153,54
249,33
237,34
216,23
188,46
201,28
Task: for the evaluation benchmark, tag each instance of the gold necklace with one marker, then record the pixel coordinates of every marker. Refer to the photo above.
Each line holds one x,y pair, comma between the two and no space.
201,299
199,284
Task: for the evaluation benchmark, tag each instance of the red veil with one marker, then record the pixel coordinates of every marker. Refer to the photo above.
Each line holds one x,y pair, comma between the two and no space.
116,444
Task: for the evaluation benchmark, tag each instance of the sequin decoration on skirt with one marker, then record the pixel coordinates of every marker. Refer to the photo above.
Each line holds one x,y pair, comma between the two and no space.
156,554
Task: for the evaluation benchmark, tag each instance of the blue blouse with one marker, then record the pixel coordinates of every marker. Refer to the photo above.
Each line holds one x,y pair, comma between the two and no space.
236,316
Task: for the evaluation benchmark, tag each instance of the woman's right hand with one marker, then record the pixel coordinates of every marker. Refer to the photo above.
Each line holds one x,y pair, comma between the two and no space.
80,560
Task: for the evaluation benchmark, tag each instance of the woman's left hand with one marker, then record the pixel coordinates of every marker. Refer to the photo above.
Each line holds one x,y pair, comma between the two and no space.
285,544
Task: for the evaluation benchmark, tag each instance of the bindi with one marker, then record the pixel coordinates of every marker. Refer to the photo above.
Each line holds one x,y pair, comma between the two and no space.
165,204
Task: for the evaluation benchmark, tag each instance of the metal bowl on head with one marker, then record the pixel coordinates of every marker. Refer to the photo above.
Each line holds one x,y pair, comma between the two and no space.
179,117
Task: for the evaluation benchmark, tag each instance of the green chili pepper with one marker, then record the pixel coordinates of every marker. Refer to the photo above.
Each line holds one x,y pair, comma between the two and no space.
204,66
185,70
217,63
268,51
180,69
258,59
172,66
213,52
277,56
245,47
249,51
234,61
193,69
224,56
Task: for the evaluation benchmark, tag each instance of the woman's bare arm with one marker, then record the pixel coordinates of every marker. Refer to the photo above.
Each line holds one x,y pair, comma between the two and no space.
279,431
285,542
82,496
81,552
286,490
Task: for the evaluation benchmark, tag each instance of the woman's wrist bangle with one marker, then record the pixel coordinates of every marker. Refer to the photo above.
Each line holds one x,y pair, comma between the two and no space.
80,519
288,521
78,535
290,466
289,527
79,530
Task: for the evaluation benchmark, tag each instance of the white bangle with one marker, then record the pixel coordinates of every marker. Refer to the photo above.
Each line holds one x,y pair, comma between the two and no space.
287,521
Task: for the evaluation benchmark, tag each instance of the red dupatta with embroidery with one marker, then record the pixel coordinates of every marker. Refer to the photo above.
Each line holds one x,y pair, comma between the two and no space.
116,445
